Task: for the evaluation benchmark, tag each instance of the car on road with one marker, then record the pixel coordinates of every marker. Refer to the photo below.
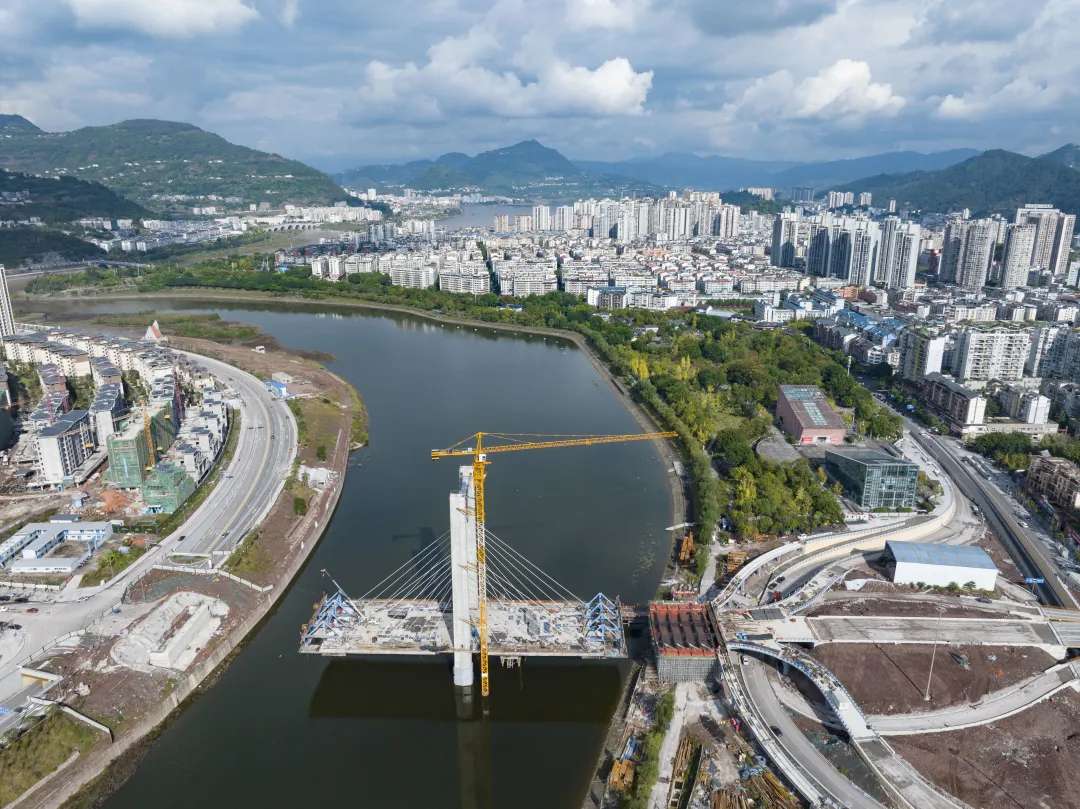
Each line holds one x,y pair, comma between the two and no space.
776,730
32,610
20,599
4,598
984,600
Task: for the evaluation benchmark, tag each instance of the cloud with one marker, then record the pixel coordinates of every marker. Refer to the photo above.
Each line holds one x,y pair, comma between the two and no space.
458,79
756,16
290,12
616,15
955,21
843,92
165,18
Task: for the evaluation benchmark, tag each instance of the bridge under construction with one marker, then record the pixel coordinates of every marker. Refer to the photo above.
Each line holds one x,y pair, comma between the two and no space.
470,592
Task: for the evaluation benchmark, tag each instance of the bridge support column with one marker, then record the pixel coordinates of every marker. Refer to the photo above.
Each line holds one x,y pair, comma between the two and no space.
465,593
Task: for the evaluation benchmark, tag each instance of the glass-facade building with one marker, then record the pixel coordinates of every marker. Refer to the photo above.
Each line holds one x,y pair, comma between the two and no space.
875,479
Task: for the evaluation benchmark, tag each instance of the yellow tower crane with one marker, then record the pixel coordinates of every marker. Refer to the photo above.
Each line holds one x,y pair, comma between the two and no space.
474,446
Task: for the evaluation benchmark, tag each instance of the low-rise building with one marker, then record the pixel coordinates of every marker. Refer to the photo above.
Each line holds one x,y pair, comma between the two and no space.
941,565
1056,479
806,416
874,479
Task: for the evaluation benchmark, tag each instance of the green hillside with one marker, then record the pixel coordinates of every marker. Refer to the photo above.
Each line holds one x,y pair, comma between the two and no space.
993,182
62,199
163,165
32,244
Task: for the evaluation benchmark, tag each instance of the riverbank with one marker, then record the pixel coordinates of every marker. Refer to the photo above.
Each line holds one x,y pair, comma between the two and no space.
667,451
147,702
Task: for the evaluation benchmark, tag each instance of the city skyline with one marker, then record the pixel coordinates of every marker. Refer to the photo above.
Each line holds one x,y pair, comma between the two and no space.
338,85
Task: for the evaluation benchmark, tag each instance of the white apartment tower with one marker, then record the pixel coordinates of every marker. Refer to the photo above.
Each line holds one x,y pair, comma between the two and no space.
993,354
784,239
966,253
1053,236
1019,248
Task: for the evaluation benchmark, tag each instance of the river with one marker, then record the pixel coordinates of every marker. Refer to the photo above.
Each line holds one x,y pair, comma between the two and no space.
283,730
482,216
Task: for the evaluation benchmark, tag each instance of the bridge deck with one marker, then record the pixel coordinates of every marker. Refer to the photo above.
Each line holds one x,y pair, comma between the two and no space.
515,628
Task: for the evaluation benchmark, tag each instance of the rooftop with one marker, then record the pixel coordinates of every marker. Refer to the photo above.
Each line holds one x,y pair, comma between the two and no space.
925,553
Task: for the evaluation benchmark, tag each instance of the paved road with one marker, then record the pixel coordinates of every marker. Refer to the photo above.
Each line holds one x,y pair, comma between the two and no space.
992,707
755,684
1025,551
261,464
255,475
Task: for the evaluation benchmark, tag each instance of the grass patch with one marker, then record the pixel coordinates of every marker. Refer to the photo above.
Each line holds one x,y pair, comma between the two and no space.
170,522
358,434
39,751
110,563
199,326
250,559
318,422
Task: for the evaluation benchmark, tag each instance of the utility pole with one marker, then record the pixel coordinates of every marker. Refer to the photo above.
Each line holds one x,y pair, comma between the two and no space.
933,655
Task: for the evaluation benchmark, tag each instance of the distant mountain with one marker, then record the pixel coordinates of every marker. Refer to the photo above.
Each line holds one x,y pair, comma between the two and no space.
525,169
162,164
62,199
822,176
29,245
1067,155
995,181
676,169
15,124
722,173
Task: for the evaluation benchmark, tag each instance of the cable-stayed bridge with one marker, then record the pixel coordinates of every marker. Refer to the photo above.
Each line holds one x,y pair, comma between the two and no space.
430,605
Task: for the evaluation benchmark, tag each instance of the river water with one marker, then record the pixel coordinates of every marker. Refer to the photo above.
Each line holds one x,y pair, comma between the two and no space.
283,730
482,216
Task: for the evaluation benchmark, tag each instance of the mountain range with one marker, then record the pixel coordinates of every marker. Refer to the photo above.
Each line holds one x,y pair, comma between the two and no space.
527,169
163,165
721,173
996,181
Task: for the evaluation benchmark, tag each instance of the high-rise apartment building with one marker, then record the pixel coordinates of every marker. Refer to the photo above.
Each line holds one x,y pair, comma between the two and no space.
541,217
1053,236
991,354
898,256
966,253
1016,261
785,239
865,199
920,354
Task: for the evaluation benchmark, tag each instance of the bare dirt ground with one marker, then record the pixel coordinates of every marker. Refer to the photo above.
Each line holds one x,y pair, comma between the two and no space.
992,545
1028,761
886,679
885,606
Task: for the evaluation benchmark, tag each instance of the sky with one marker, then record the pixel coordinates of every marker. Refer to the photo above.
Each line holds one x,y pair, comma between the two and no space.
339,83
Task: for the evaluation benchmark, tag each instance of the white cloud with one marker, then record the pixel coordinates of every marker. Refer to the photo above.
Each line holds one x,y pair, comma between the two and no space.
457,78
165,18
845,89
616,15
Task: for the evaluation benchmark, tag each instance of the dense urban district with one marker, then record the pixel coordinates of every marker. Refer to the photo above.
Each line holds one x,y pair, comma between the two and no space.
872,406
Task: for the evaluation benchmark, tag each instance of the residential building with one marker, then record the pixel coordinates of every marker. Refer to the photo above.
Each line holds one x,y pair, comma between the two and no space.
64,446
960,406
785,239
967,250
991,354
1056,479
921,353
1016,261
1053,236
167,487
874,479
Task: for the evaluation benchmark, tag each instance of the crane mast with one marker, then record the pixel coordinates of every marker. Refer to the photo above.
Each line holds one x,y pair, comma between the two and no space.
516,442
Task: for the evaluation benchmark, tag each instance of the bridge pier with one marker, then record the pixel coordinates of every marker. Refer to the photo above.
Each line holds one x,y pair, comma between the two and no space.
464,585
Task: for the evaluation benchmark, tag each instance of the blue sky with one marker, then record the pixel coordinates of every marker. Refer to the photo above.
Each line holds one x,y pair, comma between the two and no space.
344,82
